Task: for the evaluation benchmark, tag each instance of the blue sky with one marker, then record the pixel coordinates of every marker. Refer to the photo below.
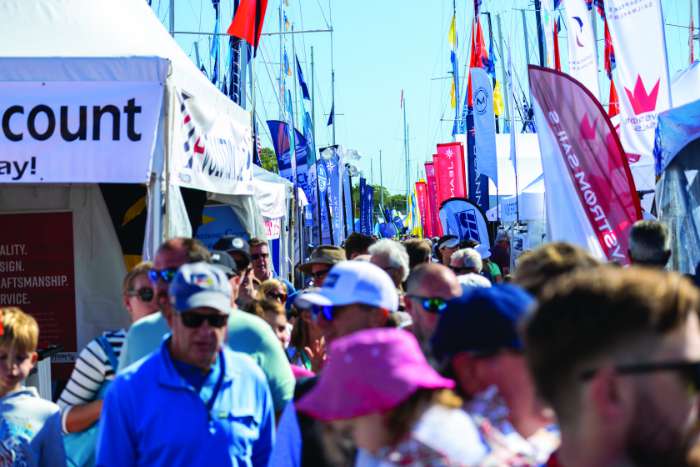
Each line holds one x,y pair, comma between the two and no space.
381,47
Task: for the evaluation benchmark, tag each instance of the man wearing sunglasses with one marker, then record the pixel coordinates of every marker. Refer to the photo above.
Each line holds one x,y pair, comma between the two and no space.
428,288
322,259
616,353
476,342
210,405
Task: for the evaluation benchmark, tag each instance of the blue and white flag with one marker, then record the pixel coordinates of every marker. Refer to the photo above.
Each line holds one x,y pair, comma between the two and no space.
465,220
484,124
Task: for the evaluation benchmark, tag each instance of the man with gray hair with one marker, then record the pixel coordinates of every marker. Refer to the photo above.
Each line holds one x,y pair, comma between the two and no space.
466,264
391,256
649,244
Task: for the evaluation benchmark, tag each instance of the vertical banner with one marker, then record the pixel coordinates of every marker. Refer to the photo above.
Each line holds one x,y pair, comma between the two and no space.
322,180
478,183
548,21
435,226
465,220
484,124
583,58
637,33
423,207
347,203
334,193
591,197
37,273
366,207
449,171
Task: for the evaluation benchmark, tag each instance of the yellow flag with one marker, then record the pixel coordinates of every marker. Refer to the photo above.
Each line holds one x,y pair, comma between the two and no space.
498,106
453,97
452,35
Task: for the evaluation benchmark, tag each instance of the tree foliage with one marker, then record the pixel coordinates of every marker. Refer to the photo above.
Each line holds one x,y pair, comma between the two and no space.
269,160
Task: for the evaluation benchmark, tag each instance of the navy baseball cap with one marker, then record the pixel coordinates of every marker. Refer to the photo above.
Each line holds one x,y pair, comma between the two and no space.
235,244
200,285
224,262
481,321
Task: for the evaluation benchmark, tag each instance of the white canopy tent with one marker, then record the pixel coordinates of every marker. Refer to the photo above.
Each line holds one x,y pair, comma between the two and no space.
86,44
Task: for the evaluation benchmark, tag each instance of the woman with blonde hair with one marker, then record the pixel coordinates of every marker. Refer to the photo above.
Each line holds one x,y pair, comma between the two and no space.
272,289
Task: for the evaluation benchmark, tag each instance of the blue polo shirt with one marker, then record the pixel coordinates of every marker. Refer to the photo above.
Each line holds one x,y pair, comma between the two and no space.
153,417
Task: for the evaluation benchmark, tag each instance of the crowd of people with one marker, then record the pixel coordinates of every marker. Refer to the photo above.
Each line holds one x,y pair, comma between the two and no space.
413,353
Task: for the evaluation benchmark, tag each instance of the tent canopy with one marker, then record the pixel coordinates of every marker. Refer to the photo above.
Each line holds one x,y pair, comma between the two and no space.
104,28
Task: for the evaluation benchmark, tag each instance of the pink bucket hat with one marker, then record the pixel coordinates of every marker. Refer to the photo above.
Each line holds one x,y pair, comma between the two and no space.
370,371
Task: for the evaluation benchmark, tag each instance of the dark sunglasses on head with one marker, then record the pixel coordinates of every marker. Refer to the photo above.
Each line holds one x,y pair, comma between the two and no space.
320,274
689,370
167,274
282,297
145,294
192,319
430,304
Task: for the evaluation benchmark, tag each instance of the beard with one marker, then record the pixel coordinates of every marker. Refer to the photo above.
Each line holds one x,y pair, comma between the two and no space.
655,441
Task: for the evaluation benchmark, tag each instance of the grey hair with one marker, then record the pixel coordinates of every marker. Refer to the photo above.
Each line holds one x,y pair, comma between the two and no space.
649,243
394,252
466,258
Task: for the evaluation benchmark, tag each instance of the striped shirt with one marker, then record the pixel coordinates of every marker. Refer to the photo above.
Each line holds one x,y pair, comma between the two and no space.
91,370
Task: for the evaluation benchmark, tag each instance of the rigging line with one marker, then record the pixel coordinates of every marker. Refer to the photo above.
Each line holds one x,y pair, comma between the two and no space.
275,86
323,14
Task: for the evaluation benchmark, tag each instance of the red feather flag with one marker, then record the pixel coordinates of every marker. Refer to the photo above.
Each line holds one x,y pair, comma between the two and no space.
248,21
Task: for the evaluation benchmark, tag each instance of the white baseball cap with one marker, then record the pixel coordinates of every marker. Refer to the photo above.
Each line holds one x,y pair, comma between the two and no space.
350,282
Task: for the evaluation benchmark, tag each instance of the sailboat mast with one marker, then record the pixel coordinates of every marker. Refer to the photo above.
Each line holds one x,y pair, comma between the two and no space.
406,156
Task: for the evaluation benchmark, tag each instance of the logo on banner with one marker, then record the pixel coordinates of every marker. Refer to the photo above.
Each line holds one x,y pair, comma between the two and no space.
587,128
468,225
322,178
481,99
641,101
579,33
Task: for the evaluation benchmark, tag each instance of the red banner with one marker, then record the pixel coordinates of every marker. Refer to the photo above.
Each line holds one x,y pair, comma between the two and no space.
581,135
423,207
435,227
37,274
449,171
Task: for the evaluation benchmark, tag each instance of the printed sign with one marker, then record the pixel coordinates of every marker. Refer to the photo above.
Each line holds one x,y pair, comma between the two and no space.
37,273
78,132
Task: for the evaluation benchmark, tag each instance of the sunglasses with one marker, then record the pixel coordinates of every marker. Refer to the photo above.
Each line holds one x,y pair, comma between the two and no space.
319,274
689,370
167,274
326,311
259,256
145,294
194,320
430,304
282,297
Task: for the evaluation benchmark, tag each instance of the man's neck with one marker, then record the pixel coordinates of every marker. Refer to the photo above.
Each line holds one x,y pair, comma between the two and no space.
16,387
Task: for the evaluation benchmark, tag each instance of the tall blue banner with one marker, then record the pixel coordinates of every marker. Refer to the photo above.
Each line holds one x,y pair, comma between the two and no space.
323,205
366,221
335,188
477,183
347,201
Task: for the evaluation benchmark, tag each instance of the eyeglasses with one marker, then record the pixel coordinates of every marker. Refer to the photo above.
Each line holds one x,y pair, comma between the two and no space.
430,304
167,274
689,370
259,256
319,274
282,297
145,294
194,320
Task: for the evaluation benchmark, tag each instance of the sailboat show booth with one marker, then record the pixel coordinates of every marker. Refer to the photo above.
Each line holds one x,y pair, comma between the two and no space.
96,96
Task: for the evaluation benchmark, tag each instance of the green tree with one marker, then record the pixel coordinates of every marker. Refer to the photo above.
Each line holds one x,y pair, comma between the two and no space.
269,160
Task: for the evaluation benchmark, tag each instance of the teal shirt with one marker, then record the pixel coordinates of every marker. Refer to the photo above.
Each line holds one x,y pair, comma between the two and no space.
246,334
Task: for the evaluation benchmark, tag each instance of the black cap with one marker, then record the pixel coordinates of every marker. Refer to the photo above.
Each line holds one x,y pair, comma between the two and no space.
224,262
235,244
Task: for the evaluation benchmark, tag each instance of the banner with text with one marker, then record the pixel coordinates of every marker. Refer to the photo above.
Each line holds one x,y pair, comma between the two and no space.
449,171
37,273
637,32
423,207
78,132
211,153
464,219
431,180
484,125
591,197
583,58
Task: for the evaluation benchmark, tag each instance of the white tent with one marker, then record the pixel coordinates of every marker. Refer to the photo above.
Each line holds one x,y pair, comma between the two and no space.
83,49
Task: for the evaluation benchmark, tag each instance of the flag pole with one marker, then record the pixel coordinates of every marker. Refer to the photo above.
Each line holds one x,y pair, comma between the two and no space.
330,15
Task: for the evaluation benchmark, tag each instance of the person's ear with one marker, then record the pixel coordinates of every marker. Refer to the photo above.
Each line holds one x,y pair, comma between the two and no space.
610,396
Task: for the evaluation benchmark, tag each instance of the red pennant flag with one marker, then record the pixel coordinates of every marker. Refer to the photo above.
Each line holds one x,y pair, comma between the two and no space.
478,57
614,102
248,21
557,60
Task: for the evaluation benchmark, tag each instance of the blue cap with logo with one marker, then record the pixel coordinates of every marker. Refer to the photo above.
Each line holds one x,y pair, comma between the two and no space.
200,285
481,321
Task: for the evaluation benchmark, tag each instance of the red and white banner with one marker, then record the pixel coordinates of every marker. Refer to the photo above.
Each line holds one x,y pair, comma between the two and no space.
583,59
436,228
423,207
591,197
637,32
449,171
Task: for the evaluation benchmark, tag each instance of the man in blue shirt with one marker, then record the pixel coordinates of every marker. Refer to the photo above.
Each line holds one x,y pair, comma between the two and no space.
193,401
